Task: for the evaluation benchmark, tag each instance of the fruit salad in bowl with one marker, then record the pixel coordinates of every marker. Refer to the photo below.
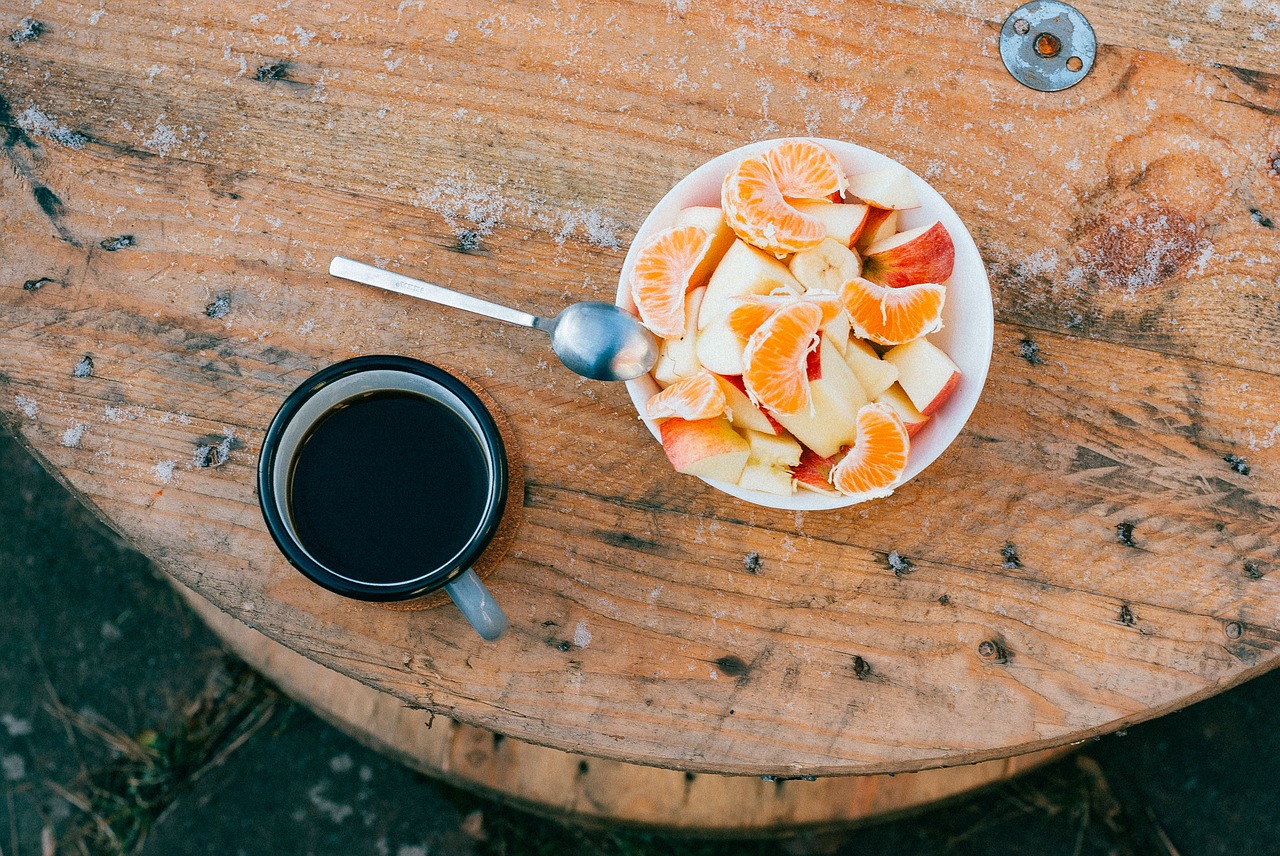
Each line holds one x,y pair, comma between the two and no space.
825,322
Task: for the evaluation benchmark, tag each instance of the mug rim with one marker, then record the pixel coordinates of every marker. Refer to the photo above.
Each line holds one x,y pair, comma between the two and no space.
289,545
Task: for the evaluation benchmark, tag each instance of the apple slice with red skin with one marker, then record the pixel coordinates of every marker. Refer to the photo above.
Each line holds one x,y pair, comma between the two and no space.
881,223
814,471
926,374
708,448
895,398
741,410
915,256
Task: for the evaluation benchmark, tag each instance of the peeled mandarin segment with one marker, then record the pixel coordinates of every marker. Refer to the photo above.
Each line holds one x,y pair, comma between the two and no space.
805,170
750,313
830,304
878,457
697,397
661,277
757,211
893,316
776,356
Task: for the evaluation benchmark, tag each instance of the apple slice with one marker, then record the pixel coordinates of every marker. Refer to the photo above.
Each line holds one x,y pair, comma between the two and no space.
767,479
776,450
891,187
881,223
837,331
741,410
743,270
895,398
712,219
836,395
843,222
925,372
826,267
678,358
926,254
814,472
707,448
873,373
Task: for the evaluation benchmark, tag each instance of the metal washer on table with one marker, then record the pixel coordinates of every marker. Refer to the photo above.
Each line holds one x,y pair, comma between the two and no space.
1047,45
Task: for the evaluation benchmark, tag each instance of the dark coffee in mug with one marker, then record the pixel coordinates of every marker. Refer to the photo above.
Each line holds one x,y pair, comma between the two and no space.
386,484
385,478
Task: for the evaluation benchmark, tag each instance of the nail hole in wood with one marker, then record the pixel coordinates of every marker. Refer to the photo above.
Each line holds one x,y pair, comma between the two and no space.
117,243
1010,555
28,29
900,565
1238,464
1074,64
219,307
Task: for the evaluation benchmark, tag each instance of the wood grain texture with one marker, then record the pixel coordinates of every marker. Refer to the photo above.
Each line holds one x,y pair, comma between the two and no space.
588,790
1099,546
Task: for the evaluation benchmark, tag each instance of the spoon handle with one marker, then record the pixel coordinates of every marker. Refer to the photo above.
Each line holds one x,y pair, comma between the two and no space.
379,278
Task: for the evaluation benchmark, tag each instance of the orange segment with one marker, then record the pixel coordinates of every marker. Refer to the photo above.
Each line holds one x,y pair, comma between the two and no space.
805,170
776,357
662,274
756,210
893,316
752,310
696,397
878,457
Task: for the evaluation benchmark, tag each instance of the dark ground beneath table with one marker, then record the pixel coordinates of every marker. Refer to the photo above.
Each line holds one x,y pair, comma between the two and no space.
125,728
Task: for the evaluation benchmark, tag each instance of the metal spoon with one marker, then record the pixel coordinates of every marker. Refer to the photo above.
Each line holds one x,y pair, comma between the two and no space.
597,340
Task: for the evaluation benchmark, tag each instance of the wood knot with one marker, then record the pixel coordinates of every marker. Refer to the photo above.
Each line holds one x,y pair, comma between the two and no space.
1140,248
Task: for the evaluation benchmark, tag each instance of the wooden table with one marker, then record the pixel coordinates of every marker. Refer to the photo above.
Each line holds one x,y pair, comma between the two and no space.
1099,547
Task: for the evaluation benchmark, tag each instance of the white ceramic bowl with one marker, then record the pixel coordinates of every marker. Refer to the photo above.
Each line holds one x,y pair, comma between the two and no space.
968,322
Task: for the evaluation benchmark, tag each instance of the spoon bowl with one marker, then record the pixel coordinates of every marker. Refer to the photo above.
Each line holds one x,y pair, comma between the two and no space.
601,341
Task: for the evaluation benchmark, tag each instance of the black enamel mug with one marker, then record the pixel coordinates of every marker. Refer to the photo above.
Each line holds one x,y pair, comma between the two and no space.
383,478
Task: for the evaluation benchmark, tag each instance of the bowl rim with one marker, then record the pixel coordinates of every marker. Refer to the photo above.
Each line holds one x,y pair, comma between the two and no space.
975,314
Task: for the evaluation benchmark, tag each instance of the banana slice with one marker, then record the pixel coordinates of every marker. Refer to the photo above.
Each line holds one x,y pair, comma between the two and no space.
826,267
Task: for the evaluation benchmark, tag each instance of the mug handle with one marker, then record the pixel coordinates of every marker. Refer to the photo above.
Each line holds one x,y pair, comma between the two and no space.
477,605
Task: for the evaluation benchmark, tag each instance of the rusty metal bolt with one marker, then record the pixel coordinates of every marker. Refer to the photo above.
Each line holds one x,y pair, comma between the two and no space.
992,651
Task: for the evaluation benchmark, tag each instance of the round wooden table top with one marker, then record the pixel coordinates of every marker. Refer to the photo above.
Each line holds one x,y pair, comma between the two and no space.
1098,547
